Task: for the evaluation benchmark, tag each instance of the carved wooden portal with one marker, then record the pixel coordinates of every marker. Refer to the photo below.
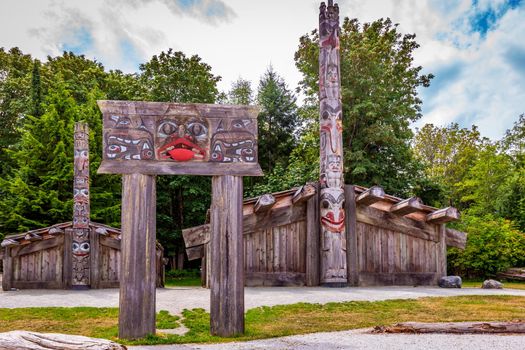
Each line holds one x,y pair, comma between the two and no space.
145,139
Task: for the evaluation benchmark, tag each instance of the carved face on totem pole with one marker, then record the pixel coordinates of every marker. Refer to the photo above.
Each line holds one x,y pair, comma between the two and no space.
129,138
233,143
183,139
332,210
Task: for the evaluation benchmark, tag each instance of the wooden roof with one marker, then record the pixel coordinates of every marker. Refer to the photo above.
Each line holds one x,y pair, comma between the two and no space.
51,231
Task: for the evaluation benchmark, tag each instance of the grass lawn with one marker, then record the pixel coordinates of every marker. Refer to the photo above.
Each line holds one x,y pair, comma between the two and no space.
267,322
508,285
182,282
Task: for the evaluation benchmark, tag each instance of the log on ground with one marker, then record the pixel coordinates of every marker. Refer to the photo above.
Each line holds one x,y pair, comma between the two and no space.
23,340
454,327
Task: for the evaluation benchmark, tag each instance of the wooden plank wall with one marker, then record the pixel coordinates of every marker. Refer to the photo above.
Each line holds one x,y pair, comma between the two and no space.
276,256
38,264
392,257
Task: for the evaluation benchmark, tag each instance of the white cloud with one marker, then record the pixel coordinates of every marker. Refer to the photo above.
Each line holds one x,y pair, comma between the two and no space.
479,78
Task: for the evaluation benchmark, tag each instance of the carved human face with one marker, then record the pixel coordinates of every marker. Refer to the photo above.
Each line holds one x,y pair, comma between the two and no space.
182,139
81,248
236,144
332,210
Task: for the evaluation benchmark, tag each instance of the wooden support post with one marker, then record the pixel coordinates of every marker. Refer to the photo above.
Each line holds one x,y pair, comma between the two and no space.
7,276
351,236
227,257
95,258
442,252
312,240
137,272
67,270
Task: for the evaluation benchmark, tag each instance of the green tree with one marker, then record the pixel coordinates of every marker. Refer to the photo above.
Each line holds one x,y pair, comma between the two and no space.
380,100
277,121
447,154
39,193
171,76
182,201
241,92
15,87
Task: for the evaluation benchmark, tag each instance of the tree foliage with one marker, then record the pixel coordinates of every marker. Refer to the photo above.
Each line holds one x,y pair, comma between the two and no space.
380,100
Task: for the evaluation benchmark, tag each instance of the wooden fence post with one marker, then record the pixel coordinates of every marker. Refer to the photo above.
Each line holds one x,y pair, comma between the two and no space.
312,240
227,257
7,278
137,272
351,236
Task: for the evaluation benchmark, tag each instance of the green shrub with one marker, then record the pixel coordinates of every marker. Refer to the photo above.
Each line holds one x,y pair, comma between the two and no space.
493,245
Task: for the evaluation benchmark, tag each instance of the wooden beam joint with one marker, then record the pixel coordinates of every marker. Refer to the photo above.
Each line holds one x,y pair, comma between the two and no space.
372,195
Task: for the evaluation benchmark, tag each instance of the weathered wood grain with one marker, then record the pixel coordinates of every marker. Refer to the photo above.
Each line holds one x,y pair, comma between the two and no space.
455,328
372,195
264,203
442,216
304,193
137,280
312,253
173,168
455,238
407,206
37,246
94,238
227,257
7,275
24,340
352,252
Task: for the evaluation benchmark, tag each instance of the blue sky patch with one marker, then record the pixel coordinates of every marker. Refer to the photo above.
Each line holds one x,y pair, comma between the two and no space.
130,55
81,42
484,19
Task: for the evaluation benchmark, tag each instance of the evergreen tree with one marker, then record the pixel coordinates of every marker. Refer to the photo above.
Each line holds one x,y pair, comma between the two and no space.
39,192
36,91
277,121
241,92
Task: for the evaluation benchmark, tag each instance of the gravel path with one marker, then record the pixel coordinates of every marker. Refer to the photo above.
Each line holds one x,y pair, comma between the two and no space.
360,340
176,299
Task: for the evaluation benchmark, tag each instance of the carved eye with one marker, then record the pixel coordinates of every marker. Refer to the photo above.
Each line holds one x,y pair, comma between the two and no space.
325,204
168,127
123,122
197,129
84,247
75,246
117,148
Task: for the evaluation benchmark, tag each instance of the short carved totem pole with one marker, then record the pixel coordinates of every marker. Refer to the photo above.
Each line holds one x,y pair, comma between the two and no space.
80,233
333,241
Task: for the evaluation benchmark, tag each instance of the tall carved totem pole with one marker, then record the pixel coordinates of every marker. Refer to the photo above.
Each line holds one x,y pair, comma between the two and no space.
80,261
333,241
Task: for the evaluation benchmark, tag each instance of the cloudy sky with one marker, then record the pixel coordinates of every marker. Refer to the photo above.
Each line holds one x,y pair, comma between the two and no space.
475,48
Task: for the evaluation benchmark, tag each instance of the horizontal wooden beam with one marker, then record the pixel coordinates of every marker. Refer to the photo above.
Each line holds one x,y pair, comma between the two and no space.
304,193
196,252
372,195
389,221
177,168
407,206
275,279
455,328
264,203
195,236
110,242
442,216
455,238
37,246
9,242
